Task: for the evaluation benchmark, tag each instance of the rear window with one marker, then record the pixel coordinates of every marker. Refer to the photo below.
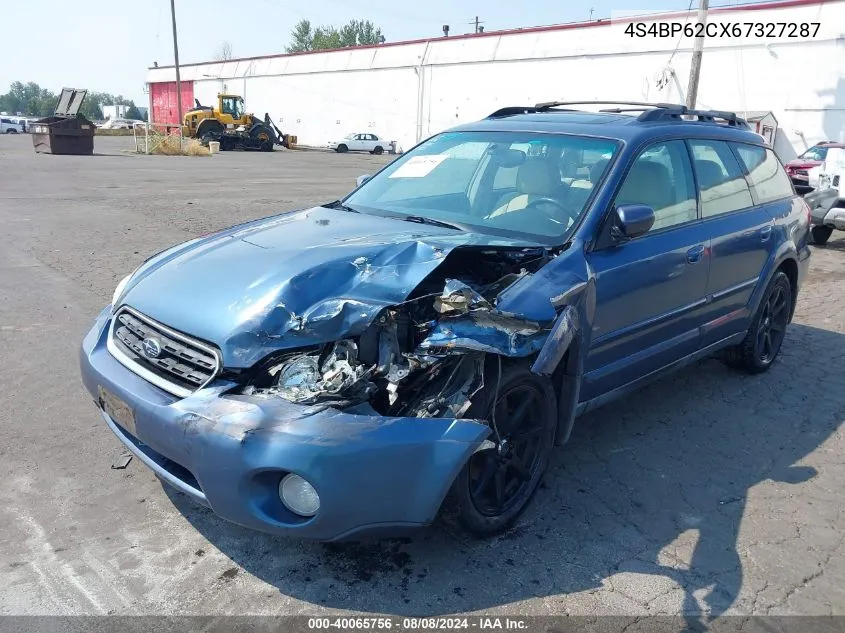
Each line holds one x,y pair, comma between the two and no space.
766,176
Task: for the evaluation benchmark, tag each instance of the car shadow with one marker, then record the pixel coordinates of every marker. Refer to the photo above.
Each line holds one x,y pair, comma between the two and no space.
833,244
656,485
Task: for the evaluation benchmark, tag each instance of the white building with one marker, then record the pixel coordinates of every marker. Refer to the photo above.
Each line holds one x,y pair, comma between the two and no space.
407,91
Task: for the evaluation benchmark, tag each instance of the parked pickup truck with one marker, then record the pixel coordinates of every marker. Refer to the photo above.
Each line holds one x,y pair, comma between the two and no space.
827,201
11,126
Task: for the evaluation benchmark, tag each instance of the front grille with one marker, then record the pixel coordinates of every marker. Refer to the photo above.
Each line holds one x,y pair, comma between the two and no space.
182,364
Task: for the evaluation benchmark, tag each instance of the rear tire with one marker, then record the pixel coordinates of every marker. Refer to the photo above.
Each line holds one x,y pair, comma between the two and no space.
765,337
496,484
342,149
821,234
378,150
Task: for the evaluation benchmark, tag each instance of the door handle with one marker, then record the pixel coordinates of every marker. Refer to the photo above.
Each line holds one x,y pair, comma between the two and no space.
765,233
694,254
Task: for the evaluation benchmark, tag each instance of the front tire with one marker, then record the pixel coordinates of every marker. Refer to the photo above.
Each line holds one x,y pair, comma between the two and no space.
263,136
210,130
821,234
497,482
342,149
763,341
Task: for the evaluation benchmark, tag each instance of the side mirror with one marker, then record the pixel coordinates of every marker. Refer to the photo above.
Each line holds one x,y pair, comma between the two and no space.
360,180
632,220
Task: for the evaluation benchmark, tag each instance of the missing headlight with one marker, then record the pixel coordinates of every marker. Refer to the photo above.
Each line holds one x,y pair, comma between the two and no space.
335,376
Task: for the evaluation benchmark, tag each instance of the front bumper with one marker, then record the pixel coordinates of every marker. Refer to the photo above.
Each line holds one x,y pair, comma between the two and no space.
373,474
835,218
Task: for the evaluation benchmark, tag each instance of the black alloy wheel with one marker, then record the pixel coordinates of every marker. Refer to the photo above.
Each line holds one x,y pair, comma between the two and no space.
498,481
762,343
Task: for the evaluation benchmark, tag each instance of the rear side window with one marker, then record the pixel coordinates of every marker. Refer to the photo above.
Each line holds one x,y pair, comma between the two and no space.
720,178
765,173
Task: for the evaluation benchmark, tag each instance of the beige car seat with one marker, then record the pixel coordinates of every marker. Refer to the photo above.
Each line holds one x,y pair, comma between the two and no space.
534,181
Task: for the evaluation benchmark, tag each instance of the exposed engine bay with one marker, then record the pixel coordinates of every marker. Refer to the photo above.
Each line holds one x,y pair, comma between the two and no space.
424,357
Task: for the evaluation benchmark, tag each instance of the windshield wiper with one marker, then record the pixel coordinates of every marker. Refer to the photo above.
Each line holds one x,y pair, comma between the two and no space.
337,204
423,220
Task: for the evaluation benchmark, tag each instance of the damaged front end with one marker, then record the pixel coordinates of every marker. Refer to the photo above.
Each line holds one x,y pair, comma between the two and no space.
426,356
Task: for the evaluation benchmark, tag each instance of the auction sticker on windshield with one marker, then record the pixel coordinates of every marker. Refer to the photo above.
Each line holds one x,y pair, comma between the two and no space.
419,166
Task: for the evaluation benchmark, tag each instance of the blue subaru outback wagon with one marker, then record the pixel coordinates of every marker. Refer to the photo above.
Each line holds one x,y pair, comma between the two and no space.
424,343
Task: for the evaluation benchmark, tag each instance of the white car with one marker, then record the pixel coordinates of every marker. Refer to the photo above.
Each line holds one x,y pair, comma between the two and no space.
360,142
11,126
119,124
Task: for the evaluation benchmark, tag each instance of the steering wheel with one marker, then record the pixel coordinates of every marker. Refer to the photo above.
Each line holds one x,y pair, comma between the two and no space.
553,215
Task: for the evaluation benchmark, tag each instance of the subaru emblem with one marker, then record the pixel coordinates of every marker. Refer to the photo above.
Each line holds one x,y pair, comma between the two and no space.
151,347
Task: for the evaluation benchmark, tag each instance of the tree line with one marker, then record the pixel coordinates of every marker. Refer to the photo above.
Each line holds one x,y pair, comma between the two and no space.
305,37
30,99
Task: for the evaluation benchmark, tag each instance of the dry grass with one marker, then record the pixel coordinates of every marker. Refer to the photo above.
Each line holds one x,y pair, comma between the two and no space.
173,145
194,148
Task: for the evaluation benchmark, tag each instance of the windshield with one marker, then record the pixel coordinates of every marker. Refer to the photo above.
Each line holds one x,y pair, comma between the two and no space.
353,135
233,106
505,183
817,152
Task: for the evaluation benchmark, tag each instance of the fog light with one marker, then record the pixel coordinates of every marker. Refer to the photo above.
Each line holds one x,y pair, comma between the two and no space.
299,496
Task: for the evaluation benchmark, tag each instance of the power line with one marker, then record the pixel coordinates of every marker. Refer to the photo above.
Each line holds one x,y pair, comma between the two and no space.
477,23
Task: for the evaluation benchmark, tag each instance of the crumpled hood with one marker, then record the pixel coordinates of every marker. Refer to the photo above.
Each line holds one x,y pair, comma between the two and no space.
293,280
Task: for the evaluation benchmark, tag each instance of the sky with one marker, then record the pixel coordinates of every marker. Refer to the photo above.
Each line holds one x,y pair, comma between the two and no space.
108,46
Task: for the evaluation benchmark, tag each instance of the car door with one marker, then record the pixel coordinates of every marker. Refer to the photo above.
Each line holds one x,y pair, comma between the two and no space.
650,290
741,236
359,143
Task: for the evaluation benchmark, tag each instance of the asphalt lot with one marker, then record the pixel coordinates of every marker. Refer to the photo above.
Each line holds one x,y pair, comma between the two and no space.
710,491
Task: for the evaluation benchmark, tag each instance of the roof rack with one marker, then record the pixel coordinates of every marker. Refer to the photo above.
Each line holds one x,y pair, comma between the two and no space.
554,104
650,111
710,116
510,111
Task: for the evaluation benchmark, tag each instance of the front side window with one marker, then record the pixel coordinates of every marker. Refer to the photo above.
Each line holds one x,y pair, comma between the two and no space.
504,183
765,173
720,179
661,178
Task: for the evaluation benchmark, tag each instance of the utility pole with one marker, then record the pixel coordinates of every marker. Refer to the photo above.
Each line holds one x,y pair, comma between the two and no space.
697,53
476,22
176,58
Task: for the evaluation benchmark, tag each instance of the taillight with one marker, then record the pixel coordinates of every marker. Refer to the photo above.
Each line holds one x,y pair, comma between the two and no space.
808,210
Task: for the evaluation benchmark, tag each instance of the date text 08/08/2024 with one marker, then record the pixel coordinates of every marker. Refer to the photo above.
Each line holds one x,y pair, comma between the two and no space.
482,623
724,29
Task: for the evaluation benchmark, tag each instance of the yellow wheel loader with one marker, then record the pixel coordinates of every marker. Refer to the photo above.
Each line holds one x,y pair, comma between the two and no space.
229,124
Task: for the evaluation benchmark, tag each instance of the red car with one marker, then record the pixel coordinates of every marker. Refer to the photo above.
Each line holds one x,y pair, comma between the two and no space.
797,168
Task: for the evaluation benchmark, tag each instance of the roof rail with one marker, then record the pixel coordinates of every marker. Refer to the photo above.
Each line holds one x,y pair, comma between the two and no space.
511,110
709,116
650,111
553,104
